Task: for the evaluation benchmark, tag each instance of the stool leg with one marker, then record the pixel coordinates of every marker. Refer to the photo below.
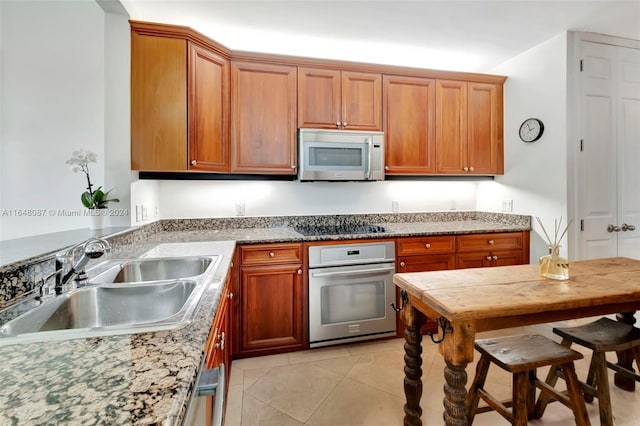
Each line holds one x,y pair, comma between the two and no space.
602,387
544,399
478,383
591,376
531,397
573,390
520,398
636,356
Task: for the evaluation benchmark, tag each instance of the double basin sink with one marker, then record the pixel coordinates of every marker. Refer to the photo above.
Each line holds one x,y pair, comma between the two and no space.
125,296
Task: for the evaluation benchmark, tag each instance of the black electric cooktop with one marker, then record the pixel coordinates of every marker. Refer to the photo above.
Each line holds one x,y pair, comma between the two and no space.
311,231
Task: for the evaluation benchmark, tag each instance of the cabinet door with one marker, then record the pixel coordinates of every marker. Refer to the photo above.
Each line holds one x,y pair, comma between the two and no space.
158,103
263,118
451,127
319,98
208,110
409,123
272,301
484,123
361,101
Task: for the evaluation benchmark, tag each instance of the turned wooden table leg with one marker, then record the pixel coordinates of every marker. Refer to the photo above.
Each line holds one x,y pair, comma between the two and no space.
625,359
455,395
413,321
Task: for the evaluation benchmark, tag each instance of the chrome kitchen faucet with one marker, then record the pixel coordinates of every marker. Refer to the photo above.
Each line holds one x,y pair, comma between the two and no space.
66,270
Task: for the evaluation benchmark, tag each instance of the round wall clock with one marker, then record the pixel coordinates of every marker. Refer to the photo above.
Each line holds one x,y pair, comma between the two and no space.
531,130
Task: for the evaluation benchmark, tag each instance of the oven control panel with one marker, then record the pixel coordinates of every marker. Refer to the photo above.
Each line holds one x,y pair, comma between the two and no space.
351,254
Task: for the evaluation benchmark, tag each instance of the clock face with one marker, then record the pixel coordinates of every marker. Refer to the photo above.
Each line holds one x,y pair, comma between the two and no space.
531,130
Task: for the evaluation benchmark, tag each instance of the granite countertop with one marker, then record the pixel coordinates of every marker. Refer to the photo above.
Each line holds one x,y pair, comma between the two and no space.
143,378
147,378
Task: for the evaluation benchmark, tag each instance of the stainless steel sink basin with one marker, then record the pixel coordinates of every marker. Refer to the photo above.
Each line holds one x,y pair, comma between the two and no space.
107,309
122,297
107,306
155,269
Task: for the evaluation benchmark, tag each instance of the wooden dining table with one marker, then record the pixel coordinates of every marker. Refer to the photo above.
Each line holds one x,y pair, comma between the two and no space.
467,301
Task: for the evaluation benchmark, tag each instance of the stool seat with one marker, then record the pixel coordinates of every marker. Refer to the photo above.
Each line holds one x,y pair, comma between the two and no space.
523,353
604,335
521,356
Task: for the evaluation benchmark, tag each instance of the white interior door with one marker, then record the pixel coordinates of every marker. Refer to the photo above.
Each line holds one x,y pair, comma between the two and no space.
628,132
608,166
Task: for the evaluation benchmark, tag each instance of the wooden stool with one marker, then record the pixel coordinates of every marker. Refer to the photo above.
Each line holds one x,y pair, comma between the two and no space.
521,356
601,336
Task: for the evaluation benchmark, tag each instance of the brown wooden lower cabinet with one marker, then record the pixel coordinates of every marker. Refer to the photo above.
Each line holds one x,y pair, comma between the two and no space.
272,304
219,349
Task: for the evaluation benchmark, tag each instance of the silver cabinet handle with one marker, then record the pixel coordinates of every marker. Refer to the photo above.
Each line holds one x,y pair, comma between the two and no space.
338,123
612,228
293,166
402,264
194,162
488,257
626,227
491,242
386,167
466,169
494,257
427,245
471,169
344,124
272,254
230,296
299,271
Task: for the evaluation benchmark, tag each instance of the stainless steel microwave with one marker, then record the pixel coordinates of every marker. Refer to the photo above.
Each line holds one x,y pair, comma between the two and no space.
340,155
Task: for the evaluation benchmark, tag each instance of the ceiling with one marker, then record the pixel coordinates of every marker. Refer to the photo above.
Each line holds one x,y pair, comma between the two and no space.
454,35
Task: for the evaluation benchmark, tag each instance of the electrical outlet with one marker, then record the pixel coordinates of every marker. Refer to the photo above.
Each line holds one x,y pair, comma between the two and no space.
145,213
507,205
240,209
395,206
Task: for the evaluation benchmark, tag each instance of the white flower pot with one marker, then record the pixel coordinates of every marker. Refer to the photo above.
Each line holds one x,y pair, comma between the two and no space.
97,218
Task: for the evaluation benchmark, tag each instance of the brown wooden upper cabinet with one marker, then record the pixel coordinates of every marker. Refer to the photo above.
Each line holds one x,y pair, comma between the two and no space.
179,105
335,99
469,135
409,122
263,118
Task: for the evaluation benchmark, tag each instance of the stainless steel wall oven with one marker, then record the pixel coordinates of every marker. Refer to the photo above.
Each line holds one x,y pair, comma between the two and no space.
350,292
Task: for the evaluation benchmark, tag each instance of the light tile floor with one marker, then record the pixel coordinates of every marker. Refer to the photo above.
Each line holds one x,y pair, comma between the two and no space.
362,384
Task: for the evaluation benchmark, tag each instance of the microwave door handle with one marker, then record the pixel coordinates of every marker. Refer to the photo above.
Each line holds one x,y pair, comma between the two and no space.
370,154
356,272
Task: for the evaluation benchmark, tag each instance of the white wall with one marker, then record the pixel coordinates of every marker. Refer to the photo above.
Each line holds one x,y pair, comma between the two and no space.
535,173
261,198
56,98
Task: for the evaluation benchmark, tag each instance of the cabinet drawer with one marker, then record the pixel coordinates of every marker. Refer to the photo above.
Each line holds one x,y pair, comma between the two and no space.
271,253
495,241
489,258
426,245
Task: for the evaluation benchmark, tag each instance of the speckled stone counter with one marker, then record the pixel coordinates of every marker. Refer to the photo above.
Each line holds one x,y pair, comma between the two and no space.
147,378
143,378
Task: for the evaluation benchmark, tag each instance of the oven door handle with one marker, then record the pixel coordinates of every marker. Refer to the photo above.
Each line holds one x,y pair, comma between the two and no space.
354,272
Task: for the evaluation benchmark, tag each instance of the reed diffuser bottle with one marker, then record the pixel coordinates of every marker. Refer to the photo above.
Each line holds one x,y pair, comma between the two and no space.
553,265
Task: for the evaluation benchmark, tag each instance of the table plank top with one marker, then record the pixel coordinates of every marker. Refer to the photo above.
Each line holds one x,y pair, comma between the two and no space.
481,293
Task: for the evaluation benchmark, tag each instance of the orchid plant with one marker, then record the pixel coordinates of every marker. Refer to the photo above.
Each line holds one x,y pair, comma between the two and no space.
91,198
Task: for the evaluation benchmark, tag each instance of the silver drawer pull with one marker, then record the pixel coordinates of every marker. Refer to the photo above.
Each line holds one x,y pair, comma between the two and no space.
427,245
